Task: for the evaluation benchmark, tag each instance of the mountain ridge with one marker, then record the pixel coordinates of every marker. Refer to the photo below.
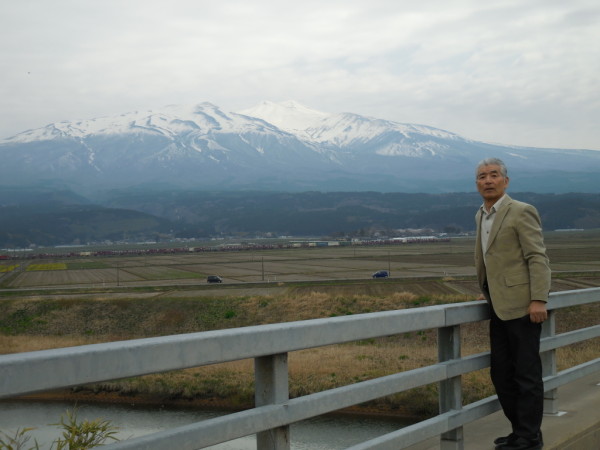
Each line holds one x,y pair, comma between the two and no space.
278,147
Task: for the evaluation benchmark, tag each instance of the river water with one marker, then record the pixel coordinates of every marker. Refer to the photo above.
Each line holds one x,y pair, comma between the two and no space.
327,432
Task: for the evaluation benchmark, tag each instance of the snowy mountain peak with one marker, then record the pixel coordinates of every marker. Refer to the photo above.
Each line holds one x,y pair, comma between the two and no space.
273,146
289,115
170,120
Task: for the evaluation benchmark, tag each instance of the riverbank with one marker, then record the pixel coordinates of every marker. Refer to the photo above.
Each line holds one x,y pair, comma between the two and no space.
207,404
49,321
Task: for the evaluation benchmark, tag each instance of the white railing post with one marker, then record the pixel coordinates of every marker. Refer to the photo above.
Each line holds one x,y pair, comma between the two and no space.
450,390
549,365
271,387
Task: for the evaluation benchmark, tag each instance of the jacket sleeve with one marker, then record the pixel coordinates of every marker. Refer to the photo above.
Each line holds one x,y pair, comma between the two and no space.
531,240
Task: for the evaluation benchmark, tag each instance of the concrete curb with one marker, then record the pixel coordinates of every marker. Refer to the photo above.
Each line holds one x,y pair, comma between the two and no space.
576,427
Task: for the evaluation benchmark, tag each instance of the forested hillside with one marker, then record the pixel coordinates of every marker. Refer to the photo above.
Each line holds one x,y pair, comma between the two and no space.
57,218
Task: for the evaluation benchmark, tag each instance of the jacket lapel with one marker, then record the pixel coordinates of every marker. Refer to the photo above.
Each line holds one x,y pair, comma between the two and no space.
478,234
500,215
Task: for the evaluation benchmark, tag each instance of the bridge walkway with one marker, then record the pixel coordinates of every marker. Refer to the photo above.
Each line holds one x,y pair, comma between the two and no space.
576,427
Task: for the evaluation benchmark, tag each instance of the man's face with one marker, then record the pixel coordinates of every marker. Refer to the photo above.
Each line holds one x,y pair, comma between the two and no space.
491,184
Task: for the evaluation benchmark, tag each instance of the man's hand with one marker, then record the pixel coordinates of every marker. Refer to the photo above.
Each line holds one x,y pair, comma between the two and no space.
537,311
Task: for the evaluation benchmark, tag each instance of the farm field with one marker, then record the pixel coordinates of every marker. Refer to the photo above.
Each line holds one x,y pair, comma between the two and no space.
571,253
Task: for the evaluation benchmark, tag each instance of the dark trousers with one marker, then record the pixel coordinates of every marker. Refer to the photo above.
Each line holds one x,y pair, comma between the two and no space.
516,372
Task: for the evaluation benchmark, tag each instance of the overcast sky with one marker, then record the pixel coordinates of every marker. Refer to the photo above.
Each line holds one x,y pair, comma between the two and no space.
521,72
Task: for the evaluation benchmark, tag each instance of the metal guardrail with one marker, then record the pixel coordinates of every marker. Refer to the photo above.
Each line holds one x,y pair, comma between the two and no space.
269,345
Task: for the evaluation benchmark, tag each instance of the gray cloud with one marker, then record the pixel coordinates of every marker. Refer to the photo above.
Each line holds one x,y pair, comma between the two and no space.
520,72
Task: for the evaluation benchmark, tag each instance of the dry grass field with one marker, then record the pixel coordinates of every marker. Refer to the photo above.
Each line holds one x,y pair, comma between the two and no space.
75,301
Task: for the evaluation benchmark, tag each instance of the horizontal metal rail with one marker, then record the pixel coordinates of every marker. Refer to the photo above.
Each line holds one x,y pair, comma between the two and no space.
72,366
30,372
442,423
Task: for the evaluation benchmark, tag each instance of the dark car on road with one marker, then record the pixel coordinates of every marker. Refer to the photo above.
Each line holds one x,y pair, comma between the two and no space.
380,274
214,279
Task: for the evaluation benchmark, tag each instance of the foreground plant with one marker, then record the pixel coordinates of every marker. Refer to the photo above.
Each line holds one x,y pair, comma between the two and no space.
85,434
76,435
18,441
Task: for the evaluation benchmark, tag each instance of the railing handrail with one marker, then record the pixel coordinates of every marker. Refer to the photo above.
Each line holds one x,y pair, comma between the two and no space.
25,373
109,361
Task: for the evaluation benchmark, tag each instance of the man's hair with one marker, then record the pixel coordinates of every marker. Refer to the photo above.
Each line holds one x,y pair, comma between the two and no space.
493,162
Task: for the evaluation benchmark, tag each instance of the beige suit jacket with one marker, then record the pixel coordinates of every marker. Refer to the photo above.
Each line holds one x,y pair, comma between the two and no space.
516,269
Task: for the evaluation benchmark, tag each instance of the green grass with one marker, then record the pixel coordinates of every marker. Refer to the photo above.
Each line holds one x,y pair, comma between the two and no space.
87,265
46,266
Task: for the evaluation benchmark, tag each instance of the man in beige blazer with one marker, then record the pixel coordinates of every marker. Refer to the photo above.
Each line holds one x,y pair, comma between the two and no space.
514,276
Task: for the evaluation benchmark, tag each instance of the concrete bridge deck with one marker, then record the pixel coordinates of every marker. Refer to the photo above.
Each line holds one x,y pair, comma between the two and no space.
576,427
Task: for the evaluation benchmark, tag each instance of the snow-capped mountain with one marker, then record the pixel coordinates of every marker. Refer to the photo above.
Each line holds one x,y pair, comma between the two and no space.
338,129
276,146
289,116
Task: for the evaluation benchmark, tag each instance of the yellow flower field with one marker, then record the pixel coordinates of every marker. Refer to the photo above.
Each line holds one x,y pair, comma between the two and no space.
49,266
